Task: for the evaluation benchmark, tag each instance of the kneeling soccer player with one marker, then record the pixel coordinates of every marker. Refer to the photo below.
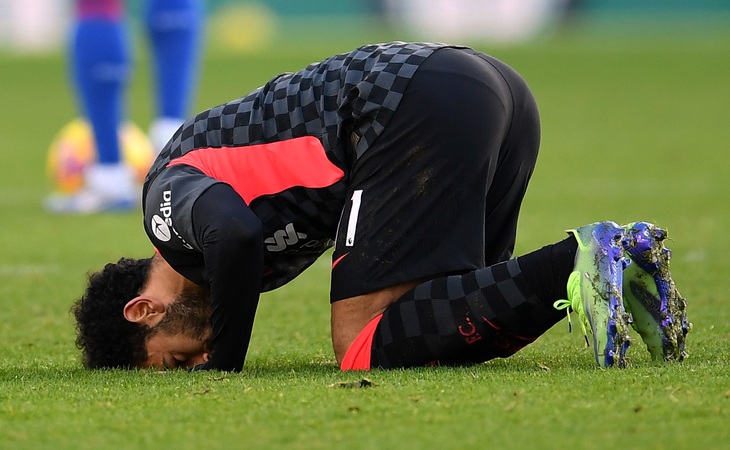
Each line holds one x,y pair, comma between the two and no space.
412,160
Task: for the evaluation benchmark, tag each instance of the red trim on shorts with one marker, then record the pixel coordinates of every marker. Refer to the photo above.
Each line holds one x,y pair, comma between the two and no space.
337,261
358,355
266,169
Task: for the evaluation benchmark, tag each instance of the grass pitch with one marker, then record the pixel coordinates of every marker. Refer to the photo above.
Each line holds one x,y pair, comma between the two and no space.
632,129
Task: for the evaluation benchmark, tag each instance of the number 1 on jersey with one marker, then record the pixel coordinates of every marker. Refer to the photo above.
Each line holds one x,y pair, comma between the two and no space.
352,222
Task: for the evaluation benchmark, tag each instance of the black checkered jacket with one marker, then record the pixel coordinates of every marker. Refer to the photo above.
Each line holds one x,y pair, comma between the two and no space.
345,101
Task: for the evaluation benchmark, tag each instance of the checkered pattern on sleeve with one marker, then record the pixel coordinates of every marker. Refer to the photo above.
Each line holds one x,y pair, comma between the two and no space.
363,87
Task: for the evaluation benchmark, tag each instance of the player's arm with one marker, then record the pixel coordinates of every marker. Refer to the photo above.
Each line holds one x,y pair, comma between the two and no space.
231,239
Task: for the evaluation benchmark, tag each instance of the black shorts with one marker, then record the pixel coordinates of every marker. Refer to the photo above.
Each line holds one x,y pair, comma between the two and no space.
440,190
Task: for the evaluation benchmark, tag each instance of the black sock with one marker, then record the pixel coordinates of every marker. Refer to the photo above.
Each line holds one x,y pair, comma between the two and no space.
547,269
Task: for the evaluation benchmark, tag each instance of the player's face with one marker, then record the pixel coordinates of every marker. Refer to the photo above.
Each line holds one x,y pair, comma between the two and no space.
166,351
181,338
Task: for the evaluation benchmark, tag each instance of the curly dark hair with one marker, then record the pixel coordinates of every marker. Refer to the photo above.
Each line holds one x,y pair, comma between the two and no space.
106,338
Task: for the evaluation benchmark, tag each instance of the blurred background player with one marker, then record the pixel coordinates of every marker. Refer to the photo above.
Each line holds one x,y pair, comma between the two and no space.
100,63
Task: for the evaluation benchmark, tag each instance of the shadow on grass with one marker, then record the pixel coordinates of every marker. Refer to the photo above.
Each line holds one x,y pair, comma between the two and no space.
304,368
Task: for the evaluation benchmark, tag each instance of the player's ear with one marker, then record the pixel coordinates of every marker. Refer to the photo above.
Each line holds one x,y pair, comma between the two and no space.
144,311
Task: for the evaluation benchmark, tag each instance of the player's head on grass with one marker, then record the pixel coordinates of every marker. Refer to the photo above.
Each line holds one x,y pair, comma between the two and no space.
106,338
118,325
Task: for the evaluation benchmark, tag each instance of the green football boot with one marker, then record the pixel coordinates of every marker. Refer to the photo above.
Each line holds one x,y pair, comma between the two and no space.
658,311
595,291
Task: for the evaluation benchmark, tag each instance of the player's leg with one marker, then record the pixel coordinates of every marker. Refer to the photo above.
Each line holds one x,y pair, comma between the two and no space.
517,158
460,319
418,193
429,223
496,311
488,313
100,63
174,29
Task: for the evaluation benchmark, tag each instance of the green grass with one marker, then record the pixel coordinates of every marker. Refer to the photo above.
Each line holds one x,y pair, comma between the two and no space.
632,129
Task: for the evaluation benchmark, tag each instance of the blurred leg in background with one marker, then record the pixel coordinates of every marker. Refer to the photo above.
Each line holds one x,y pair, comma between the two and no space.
174,28
100,62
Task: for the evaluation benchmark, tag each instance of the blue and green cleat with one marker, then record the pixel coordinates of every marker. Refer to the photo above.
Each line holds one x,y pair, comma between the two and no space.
658,311
595,291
